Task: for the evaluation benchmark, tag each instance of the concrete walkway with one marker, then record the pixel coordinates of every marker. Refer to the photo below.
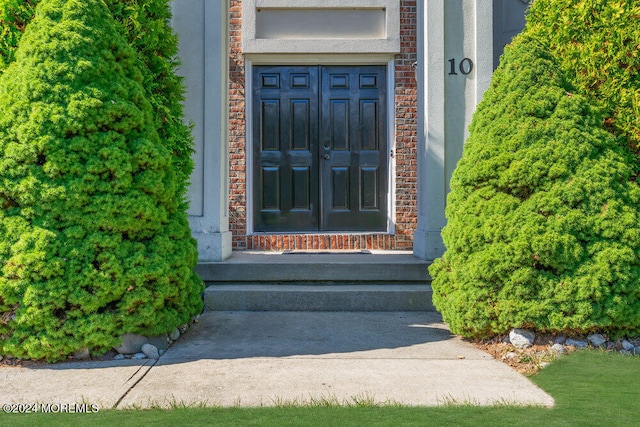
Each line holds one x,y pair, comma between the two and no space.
272,358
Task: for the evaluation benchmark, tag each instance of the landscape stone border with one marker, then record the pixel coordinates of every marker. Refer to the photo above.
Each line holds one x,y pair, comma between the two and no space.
133,346
524,338
528,351
136,346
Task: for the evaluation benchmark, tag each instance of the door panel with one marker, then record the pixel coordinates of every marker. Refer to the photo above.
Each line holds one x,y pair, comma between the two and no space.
339,124
369,189
320,148
340,189
301,200
285,111
370,122
353,164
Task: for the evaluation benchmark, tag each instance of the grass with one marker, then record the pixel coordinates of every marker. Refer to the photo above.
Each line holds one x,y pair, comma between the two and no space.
591,388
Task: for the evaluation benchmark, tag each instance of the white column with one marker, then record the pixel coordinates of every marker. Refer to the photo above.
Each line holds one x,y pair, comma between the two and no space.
460,31
203,30
427,242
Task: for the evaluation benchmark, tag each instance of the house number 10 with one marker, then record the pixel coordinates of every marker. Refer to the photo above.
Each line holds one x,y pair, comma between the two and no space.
465,67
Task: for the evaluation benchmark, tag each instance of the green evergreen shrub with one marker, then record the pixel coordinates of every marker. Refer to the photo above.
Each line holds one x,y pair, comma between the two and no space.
543,223
597,44
14,17
93,241
146,25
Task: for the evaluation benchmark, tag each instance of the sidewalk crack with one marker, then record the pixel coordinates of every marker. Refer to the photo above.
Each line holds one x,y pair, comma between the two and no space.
126,392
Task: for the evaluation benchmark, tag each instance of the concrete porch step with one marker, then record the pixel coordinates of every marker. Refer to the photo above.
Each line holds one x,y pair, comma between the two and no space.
330,266
326,281
318,297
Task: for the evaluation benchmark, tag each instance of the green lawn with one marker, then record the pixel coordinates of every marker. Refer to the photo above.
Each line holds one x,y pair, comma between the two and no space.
591,388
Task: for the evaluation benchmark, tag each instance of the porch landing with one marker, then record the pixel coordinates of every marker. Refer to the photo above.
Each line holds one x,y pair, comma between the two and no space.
324,281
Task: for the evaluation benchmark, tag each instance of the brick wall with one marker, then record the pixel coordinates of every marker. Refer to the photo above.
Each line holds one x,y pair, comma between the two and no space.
405,152
237,151
406,128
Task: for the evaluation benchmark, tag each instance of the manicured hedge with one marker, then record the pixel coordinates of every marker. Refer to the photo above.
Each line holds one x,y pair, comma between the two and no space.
94,242
146,26
543,216
597,45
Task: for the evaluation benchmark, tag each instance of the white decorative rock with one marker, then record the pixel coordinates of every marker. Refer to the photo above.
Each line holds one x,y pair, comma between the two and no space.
131,343
558,348
175,334
139,356
151,351
119,357
522,338
597,340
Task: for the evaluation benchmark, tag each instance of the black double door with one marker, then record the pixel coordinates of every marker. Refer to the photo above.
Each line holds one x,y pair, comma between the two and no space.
320,152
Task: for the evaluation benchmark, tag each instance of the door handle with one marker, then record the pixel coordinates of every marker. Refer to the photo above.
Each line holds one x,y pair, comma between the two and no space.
326,150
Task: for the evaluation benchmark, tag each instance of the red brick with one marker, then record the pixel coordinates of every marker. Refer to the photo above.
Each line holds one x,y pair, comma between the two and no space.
405,151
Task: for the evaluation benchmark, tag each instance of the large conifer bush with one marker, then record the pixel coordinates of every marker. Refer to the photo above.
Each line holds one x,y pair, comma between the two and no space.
93,241
597,45
543,221
146,25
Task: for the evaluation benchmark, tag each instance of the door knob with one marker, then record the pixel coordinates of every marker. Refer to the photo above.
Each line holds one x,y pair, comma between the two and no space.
326,145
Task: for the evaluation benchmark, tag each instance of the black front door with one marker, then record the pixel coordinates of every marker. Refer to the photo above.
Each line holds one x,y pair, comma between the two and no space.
319,148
